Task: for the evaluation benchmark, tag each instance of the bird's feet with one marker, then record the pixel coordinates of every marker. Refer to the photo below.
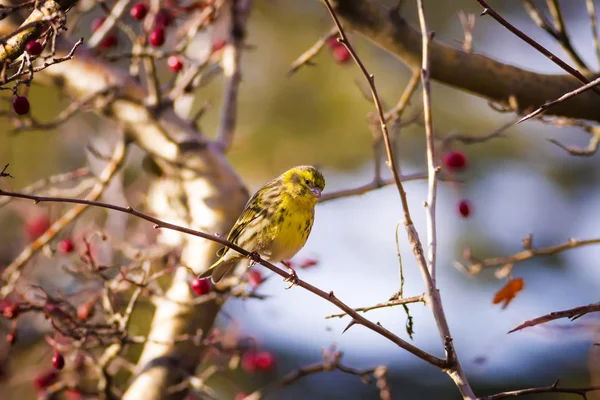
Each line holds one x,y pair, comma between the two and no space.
254,257
293,278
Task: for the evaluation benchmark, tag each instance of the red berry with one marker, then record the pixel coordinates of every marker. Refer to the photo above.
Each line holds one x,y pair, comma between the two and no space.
308,263
218,44
33,48
249,361
454,160
163,19
11,338
341,54
58,361
255,278
201,286
333,43
36,226
264,361
11,310
174,63
21,105
138,11
44,380
157,37
464,208
109,41
97,23
65,246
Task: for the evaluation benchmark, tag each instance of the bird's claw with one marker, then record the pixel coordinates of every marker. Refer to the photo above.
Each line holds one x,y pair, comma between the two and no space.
292,279
254,257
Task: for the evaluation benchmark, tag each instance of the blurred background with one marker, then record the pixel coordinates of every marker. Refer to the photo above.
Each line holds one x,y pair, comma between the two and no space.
517,184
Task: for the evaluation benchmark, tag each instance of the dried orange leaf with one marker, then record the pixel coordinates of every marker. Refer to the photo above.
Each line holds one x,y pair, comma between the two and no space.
509,292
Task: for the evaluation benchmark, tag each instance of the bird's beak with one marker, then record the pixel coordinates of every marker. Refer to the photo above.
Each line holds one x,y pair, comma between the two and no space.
315,192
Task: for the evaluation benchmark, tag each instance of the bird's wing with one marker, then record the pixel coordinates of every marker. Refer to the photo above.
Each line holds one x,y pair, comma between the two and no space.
255,217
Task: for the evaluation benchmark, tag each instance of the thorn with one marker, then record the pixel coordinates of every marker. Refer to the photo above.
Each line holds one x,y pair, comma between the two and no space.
349,326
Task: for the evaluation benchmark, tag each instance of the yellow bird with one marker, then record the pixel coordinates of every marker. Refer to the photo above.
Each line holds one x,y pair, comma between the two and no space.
275,222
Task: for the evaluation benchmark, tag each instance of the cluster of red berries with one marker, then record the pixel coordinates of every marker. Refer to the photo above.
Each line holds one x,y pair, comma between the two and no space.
456,161
256,361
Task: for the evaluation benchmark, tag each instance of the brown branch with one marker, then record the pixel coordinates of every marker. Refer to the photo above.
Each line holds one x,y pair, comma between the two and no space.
330,297
544,107
390,303
306,57
487,10
232,71
471,72
475,266
591,10
572,313
331,362
558,31
12,45
547,389
369,187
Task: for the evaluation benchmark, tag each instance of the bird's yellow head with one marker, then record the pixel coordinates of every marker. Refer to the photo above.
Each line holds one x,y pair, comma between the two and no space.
304,181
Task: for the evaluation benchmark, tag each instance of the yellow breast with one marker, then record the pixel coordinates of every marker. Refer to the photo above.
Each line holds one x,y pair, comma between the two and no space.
293,227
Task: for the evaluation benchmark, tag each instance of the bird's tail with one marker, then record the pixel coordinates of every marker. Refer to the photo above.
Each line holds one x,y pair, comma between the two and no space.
219,269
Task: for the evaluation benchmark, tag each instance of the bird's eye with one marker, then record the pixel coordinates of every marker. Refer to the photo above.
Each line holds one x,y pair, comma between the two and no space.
307,182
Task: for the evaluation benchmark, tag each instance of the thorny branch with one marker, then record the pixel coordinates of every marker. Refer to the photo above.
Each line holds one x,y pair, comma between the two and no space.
547,389
572,314
330,297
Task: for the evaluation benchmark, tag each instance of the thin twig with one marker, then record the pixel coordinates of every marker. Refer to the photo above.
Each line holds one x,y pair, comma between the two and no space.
487,10
572,313
306,57
591,10
557,30
391,303
546,389
373,185
475,266
432,169
116,13
562,98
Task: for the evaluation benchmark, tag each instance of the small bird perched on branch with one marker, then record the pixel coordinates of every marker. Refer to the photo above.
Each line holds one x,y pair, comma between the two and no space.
275,222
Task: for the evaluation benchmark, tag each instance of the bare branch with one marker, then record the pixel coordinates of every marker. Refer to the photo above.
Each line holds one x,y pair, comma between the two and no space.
475,266
487,10
231,61
572,314
547,389
330,297
390,303
306,57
